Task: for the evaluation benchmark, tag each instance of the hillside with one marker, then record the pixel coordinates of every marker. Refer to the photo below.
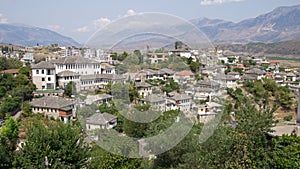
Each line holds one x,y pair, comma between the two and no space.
286,48
31,36
281,24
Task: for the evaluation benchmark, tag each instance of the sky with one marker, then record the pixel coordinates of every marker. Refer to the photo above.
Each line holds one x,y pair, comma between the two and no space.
79,19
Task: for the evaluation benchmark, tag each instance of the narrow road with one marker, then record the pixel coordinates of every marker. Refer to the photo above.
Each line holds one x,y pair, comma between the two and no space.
17,115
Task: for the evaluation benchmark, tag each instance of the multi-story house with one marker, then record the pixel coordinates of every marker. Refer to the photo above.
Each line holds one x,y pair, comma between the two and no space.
44,76
54,106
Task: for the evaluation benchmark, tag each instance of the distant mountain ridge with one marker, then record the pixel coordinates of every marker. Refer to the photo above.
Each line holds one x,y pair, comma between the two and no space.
25,35
281,24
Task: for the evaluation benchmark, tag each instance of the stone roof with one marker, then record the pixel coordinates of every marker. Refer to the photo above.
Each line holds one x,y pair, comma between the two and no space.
290,74
102,76
67,73
110,76
249,77
208,82
92,98
106,66
179,97
154,98
73,60
200,89
51,102
142,84
100,118
43,65
167,71
255,71
87,77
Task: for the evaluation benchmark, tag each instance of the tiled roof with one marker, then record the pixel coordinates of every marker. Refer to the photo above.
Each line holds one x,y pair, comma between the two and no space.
100,118
13,71
73,60
43,65
67,73
184,73
51,102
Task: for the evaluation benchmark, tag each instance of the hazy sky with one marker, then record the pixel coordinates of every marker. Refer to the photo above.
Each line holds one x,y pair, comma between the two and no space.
79,19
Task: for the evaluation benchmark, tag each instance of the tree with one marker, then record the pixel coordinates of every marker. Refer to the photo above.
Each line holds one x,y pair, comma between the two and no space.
26,109
70,89
194,66
62,144
8,140
285,152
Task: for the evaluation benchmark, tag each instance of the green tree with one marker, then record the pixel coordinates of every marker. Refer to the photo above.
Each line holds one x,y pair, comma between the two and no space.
26,109
62,144
8,140
70,89
285,152
194,66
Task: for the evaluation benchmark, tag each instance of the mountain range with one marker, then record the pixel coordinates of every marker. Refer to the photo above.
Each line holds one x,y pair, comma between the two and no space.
31,36
281,24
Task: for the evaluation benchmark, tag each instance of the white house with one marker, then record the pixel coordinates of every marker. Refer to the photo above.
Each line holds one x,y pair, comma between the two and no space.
98,99
144,89
44,76
101,121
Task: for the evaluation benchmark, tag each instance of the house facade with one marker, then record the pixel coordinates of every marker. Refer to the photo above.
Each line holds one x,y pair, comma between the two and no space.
54,106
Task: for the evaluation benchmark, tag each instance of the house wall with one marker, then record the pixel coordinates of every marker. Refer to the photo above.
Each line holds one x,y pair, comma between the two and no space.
42,77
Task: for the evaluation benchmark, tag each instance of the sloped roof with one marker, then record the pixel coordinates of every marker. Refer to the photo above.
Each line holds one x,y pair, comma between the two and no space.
92,98
73,60
100,118
167,71
51,102
67,73
142,84
184,73
43,65
106,66
154,98
178,97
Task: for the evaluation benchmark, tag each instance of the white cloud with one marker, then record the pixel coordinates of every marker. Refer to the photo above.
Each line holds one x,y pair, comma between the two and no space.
55,27
82,29
98,23
215,2
3,19
130,12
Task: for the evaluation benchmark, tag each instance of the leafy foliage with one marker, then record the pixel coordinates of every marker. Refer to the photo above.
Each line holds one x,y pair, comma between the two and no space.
62,144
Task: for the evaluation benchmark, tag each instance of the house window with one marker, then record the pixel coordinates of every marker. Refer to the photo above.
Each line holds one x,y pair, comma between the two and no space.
43,79
42,71
37,71
49,78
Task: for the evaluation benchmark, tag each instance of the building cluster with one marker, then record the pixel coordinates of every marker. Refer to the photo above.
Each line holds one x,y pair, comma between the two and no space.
92,69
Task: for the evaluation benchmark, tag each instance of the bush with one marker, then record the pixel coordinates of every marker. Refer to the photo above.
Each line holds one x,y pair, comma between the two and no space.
288,118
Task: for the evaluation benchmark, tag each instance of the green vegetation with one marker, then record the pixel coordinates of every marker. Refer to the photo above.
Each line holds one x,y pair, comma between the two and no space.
70,89
62,144
14,91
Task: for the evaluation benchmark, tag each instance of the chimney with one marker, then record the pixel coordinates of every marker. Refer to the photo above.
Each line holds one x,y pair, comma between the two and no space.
298,110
